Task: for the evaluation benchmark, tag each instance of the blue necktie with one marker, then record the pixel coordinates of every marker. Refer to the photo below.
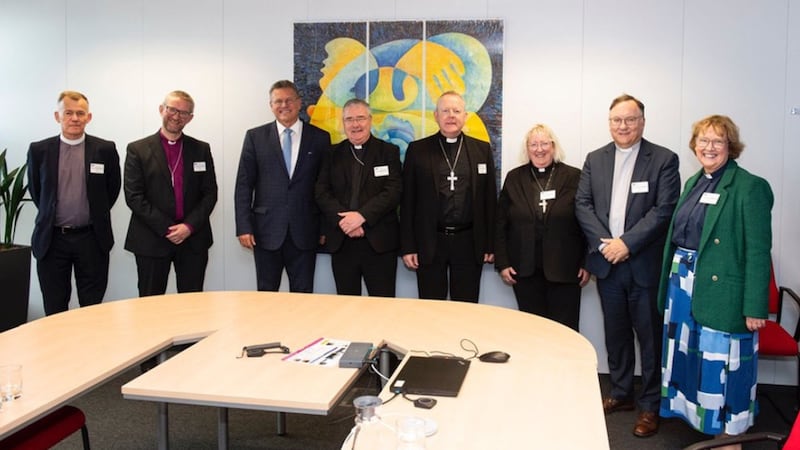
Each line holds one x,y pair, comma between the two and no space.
286,145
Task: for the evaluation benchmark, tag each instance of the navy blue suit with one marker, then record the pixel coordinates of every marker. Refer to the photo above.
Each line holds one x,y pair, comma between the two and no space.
628,289
278,210
102,189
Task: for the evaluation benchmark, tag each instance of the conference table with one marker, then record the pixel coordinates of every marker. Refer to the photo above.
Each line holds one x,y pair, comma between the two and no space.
532,401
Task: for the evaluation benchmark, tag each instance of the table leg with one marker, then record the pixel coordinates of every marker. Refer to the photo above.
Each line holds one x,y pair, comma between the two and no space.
281,423
163,427
222,429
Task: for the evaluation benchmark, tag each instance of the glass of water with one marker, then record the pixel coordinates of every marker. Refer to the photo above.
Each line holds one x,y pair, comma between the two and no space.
10,382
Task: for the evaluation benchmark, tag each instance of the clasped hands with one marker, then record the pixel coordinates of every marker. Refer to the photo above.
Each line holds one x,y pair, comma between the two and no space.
351,223
615,251
178,233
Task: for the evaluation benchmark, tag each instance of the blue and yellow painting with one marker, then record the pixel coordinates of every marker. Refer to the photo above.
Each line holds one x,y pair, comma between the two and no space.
401,69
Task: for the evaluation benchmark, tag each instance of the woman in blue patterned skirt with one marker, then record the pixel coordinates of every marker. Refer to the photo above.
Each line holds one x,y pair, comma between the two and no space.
714,287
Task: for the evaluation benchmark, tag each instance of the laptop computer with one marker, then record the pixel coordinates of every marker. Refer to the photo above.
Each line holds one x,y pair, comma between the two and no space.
437,376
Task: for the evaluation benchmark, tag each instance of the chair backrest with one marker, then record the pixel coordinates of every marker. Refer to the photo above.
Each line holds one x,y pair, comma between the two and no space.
774,293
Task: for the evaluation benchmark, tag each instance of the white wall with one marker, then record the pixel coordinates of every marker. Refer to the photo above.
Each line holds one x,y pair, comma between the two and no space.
564,62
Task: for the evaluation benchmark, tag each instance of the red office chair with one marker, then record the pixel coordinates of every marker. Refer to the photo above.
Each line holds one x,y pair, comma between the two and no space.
49,431
790,442
774,339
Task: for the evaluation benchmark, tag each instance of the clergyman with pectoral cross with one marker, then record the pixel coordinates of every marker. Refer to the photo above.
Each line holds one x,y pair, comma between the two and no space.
448,207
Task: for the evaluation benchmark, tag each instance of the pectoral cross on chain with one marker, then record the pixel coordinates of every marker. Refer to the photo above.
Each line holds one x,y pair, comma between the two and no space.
452,179
543,204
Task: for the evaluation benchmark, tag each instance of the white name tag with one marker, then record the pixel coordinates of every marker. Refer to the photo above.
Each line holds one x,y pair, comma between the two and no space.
709,198
482,168
640,187
199,166
547,195
381,171
97,168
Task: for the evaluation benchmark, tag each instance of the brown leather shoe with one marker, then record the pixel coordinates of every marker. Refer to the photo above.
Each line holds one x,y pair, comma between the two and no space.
646,424
611,404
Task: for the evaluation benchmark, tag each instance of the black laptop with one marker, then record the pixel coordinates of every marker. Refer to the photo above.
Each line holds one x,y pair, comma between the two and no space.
437,376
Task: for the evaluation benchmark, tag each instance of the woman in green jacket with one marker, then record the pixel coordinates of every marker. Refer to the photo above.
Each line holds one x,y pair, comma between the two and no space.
714,286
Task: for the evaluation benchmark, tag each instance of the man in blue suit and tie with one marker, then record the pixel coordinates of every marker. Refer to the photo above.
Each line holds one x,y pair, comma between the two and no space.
626,195
276,214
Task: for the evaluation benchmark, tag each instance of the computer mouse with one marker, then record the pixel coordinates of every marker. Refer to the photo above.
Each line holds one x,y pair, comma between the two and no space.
495,357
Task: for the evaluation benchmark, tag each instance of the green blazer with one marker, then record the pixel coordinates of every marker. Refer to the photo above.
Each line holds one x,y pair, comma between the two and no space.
732,269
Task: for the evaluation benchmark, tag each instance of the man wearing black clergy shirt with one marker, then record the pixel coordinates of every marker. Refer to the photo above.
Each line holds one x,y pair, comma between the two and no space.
358,191
448,207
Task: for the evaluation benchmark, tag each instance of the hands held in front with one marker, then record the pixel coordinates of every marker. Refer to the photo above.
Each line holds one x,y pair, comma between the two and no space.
178,233
351,223
754,324
615,250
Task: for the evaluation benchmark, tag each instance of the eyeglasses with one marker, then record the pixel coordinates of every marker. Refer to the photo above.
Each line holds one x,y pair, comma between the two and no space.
545,145
357,119
172,111
629,121
717,144
283,101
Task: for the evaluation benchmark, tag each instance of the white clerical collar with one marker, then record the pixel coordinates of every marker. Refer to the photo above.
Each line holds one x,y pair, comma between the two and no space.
358,147
67,141
451,140
632,148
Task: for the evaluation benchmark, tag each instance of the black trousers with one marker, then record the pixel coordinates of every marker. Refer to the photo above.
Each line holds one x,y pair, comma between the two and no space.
453,267
556,301
190,271
76,250
356,259
299,264
629,307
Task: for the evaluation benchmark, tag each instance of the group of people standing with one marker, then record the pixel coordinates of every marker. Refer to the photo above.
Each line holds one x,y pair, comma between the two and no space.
684,274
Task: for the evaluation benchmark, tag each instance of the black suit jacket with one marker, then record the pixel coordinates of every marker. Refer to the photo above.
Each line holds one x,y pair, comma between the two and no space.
268,204
563,243
149,194
101,188
647,215
381,186
419,210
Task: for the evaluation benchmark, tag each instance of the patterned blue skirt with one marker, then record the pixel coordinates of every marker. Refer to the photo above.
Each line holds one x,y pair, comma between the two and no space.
708,377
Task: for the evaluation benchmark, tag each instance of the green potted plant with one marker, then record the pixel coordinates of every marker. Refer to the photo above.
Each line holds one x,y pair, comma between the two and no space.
15,260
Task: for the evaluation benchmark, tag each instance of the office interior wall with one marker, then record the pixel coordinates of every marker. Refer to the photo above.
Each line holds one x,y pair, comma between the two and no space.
564,62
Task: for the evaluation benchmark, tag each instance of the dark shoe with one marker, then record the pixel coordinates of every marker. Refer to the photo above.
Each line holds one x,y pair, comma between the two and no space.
646,424
611,404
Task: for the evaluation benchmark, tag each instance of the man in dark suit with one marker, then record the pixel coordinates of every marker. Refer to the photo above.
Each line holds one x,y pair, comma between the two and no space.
276,215
171,188
358,191
626,195
74,180
448,207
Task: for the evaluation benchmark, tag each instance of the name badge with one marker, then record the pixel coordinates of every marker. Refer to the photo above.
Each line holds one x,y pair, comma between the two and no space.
482,168
199,166
547,195
98,168
709,198
381,171
640,187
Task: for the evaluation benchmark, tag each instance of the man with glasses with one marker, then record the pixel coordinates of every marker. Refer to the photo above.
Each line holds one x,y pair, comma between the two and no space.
171,188
74,181
358,191
276,215
627,193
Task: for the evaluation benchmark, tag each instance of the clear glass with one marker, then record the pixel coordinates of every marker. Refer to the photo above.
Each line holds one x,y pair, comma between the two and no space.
10,382
410,433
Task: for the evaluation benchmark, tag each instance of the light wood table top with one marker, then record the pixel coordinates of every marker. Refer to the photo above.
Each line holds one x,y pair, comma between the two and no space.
534,399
